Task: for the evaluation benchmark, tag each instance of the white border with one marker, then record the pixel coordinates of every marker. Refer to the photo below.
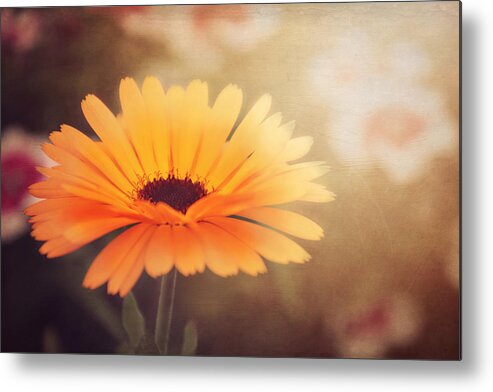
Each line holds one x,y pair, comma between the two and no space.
474,373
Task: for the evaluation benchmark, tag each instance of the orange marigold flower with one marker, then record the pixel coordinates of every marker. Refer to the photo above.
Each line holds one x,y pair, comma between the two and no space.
192,189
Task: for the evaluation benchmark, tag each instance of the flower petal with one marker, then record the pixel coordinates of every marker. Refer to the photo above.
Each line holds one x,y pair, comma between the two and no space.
221,119
159,252
268,243
297,148
106,126
287,221
225,254
242,142
131,266
188,254
112,256
155,101
189,135
94,153
219,254
135,117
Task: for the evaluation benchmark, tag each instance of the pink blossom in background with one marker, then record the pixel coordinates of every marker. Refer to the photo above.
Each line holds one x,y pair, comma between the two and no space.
373,328
237,27
396,127
21,30
202,36
380,112
345,63
373,89
68,24
354,57
20,156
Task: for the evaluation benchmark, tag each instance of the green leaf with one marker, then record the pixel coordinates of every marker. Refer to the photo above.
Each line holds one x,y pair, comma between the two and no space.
132,320
190,339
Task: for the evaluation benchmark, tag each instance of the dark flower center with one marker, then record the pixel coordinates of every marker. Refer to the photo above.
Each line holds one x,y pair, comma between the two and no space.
179,193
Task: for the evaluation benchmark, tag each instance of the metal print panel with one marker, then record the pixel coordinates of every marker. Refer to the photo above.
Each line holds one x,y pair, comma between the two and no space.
276,180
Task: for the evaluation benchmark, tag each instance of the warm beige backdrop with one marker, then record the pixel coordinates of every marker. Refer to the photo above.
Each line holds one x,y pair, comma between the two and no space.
375,84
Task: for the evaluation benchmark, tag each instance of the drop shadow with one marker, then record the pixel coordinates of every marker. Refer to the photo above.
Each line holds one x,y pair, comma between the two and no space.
372,369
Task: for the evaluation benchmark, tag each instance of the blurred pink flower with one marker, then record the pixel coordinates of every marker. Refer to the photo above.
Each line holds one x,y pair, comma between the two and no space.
239,27
380,111
397,127
21,30
372,328
202,35
354,57
67,24
20,156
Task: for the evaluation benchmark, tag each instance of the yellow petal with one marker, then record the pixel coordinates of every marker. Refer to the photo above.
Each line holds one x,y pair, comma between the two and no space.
317,193
132,277
243,141
106,126
135,117
175,98
87,231
269,244
110,258
130,261
219,125
81,173
268,153
155,101
48,189
189,137
57,247
189,256
297,148
93,153
159,252
219,254
286,221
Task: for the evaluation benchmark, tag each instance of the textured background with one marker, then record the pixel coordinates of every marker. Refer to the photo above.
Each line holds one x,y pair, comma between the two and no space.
376,85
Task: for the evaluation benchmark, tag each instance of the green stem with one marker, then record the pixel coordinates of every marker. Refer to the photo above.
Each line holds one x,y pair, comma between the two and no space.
165,312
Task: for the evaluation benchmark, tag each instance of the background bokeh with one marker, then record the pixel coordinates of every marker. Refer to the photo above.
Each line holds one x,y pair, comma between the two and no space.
375,84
